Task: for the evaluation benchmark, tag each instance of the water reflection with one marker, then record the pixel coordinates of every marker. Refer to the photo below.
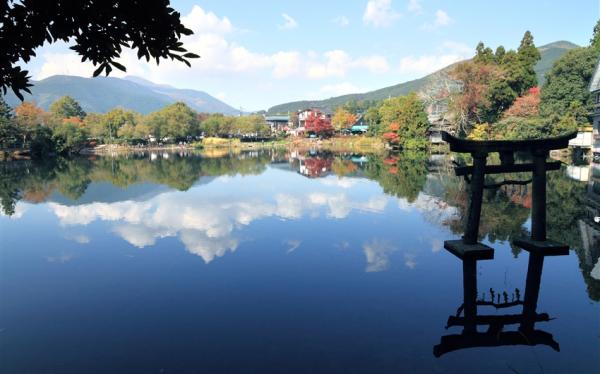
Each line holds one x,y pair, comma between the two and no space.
140,194
495,334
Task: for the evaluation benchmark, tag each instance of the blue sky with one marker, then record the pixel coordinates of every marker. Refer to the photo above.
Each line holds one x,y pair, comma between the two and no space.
259,55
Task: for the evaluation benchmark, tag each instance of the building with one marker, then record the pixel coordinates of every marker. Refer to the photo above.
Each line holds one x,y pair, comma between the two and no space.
305,113
595,91
360,126
279,123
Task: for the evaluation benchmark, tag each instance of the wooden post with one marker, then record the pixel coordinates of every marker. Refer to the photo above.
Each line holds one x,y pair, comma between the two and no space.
470,294
532,290
538,204
477,180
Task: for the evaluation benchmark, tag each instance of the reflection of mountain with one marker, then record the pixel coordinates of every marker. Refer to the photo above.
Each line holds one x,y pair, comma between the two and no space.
109,193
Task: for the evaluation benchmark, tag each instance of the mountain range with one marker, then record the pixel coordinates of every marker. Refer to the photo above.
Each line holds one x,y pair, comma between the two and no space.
102,94
549,54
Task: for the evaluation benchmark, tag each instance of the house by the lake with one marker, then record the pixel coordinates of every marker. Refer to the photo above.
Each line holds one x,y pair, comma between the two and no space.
595,114
279,123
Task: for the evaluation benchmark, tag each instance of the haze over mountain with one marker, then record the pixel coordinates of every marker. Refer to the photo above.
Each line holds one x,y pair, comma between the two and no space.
102,94
549,54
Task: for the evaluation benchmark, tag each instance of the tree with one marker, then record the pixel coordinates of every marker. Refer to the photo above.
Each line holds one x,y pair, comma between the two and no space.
173,121
113,121
528,55
595,40
28,117
342,119
8,131
66,107
483,54
568,81
525,106
100,30
71,136
406,116
253,124
317,123
467,106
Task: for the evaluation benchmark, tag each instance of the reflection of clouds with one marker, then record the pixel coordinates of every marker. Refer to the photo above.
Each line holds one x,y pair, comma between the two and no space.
343,245
377,254
292,244
205,224
436,245
81,239
207,248
342,182
137,235
61,258
340,205
20,209
434,209
410,260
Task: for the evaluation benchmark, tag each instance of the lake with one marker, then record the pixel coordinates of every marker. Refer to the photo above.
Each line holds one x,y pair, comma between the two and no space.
281,261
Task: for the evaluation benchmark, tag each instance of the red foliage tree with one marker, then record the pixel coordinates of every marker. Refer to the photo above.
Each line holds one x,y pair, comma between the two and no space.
527,105
317,166
317,123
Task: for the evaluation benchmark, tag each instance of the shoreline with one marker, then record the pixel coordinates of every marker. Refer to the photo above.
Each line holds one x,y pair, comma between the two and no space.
338,144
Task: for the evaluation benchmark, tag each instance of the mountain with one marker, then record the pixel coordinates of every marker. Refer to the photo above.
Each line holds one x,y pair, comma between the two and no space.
549,54
102,94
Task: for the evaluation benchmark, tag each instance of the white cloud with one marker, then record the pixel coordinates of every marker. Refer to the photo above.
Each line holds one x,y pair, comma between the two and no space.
442,19
286,64
448,53
415,6
289,22
337,63
341,21
374,64
427,64
200,21
380,13
220,54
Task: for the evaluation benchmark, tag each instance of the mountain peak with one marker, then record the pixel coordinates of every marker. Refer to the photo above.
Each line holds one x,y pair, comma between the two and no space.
102,94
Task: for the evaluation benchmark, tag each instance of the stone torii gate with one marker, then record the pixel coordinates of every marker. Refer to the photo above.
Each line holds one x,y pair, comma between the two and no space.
469,250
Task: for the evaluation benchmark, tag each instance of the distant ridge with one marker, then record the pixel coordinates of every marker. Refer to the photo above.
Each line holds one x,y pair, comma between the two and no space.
549,53
102,94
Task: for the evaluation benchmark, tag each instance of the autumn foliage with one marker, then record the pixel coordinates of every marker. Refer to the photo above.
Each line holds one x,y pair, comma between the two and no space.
317,123
527,105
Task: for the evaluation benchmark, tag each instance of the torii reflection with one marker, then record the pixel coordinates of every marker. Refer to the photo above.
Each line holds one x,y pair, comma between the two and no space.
467,314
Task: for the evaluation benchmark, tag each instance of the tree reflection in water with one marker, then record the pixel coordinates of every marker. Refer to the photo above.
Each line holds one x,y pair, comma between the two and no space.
571,208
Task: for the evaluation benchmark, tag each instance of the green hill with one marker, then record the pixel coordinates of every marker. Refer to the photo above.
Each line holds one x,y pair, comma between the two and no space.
549,53
102,94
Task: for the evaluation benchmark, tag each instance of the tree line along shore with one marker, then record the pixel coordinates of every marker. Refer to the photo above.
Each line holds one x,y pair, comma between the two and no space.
495,95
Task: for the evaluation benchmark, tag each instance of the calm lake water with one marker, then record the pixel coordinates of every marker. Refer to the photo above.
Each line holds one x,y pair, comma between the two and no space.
282,262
